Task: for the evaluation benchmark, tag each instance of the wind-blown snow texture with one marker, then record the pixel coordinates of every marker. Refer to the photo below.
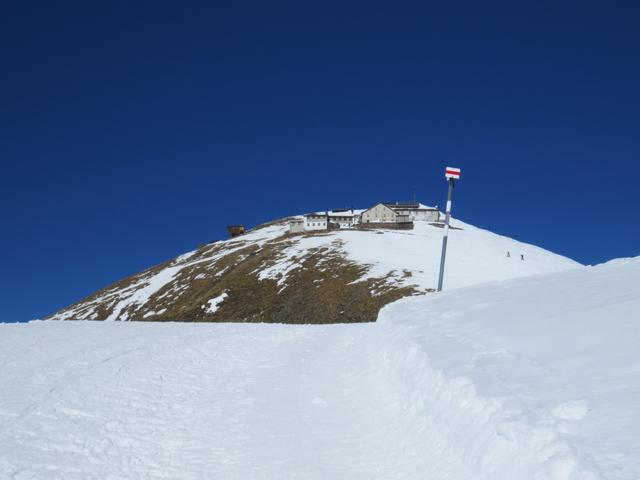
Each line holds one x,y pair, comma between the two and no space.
533,378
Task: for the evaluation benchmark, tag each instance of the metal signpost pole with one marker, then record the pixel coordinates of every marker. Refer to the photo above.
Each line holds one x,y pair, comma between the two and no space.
452,174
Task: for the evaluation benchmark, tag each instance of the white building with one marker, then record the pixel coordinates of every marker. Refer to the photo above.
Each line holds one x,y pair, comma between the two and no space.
296,225
381,213
415,211
315,221
344,218
337,218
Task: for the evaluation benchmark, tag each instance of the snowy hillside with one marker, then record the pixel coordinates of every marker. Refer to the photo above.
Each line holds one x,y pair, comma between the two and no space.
546,368
531,378
269,275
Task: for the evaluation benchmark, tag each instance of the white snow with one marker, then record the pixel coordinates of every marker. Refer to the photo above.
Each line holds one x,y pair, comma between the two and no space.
556,354
341,213
532,378
345,213
184,257
141,295
288,259
261,235
474,255
571,410
213,304
426,207
151,313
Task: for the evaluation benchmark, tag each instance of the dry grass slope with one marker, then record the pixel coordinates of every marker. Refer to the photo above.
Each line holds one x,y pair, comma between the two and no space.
324,287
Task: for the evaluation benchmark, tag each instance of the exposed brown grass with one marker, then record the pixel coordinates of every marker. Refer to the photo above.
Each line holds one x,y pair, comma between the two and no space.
323,287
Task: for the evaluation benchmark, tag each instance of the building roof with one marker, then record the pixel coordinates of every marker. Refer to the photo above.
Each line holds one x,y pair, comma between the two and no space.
408,206
337,212
345,212
384,205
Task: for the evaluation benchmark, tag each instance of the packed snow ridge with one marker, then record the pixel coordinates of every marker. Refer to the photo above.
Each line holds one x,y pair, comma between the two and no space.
529,378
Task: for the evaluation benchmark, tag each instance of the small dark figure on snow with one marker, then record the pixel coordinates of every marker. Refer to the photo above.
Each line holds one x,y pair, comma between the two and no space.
508,254
522,257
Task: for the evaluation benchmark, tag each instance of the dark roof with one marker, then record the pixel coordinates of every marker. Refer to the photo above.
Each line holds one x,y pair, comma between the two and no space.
402,204
407,206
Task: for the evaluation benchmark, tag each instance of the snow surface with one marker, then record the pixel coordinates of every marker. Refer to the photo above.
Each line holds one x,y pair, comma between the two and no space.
289,259
213,304
532,378
141,295
551,362
474,255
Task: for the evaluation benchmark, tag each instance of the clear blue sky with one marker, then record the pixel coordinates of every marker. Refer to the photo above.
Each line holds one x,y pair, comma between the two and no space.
130,132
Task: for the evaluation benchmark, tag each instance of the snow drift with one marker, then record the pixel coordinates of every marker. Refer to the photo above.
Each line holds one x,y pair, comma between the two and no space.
532,378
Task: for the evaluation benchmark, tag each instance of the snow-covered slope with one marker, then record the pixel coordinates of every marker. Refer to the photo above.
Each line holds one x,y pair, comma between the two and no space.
532,378
269,275
546,366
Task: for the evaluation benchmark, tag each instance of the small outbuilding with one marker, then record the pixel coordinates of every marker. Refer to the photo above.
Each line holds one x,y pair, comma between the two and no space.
235,230
296,225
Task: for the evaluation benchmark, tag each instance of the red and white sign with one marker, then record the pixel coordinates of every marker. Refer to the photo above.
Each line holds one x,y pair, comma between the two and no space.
452,172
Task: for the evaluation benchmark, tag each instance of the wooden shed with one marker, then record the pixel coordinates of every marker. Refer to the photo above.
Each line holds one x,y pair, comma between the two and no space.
235,230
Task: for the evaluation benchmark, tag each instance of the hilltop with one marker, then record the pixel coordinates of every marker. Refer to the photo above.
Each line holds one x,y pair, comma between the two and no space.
323,276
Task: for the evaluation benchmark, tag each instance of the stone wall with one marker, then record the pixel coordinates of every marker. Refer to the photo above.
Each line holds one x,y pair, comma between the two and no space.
388,226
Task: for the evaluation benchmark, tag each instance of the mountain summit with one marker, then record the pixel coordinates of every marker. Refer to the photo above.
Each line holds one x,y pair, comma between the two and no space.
321,276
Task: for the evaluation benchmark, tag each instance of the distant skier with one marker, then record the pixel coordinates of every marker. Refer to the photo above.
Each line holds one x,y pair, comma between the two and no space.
508,254
522,257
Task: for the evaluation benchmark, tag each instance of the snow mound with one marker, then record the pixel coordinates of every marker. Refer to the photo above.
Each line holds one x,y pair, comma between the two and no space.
549,363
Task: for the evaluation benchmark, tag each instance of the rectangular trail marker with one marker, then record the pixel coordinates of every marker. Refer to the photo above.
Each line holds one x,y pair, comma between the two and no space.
451,174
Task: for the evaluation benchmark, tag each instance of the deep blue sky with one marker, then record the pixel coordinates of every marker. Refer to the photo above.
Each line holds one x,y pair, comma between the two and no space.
131,132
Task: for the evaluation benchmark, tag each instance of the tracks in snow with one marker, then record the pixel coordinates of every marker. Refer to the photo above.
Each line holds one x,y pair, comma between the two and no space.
126,400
